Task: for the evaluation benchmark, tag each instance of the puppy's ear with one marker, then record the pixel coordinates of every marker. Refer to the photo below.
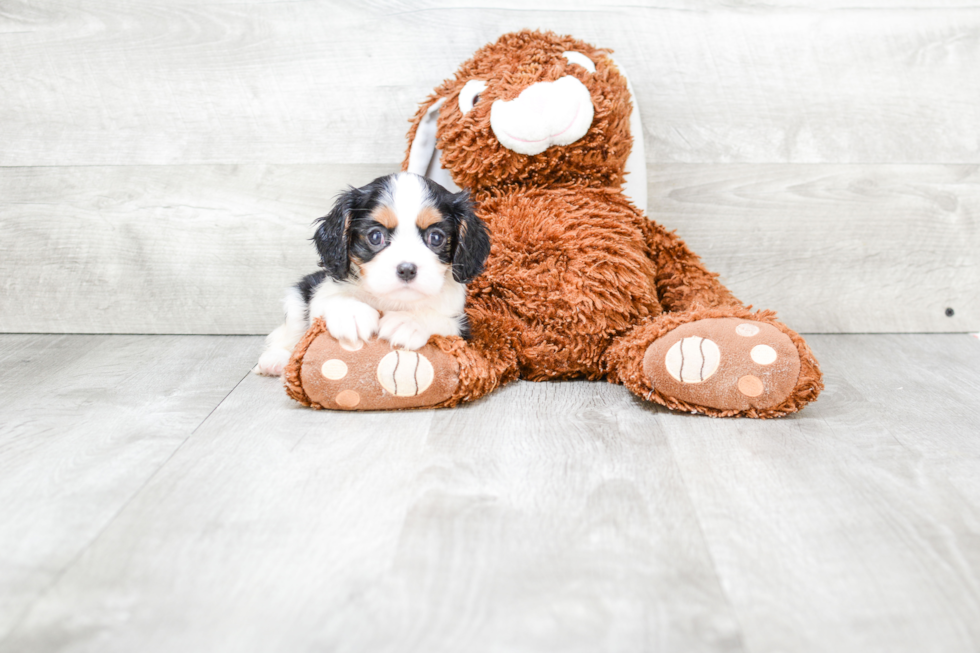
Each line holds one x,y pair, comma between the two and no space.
472,240
332,236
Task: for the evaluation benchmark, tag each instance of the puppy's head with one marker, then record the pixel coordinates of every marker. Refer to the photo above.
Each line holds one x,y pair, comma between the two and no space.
401,237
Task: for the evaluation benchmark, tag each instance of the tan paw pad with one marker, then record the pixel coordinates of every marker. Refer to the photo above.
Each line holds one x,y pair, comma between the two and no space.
347,399
724,363
693,359
405,373
763,354
750,386
334,369
373,376
746,330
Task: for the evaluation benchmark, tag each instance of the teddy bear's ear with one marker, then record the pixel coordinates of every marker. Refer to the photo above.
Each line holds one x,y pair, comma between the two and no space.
635,186
424,158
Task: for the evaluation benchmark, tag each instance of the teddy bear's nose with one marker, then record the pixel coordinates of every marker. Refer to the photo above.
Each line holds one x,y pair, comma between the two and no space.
544,114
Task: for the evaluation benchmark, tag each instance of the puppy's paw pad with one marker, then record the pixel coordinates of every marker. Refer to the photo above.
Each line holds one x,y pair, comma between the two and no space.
724,363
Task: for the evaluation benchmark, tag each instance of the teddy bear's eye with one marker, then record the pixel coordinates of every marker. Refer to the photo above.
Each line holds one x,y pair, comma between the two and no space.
580,59
470,94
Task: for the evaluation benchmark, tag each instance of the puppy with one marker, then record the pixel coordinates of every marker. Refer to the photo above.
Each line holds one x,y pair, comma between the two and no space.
395,254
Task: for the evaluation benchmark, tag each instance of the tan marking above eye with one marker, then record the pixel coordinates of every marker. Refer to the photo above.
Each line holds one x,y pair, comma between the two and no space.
427,217
385,216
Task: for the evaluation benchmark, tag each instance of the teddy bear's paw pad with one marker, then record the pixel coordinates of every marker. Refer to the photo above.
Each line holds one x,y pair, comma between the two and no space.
376,376
725,363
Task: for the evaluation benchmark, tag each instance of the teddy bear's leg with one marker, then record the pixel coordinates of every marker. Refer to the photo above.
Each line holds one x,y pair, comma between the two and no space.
323,373
709,353
722,361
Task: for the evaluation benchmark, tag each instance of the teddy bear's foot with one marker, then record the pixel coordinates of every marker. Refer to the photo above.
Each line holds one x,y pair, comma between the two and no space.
729,364
374,376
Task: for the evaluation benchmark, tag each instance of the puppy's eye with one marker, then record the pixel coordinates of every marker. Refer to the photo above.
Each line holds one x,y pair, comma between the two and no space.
470,94
376,237
435,238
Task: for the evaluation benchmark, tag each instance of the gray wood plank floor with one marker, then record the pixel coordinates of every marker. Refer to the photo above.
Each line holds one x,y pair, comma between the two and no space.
85,421
152,499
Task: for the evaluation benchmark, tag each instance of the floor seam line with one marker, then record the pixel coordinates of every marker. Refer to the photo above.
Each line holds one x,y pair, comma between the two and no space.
64,570
208,416
707,548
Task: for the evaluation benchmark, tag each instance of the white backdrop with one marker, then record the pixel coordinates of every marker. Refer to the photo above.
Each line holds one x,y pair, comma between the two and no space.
162,161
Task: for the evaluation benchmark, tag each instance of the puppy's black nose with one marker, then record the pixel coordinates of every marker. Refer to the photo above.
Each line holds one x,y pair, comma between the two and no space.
406,271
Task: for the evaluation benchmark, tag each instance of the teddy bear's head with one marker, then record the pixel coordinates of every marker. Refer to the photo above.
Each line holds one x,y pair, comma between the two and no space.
532,108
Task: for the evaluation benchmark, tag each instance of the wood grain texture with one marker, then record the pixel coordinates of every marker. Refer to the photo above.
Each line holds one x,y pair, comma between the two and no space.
124,82
554,516
854,526
533,520
835,249
84,422
187,249
210,249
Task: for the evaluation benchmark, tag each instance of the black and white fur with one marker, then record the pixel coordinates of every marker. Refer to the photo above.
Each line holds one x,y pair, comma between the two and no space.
389,277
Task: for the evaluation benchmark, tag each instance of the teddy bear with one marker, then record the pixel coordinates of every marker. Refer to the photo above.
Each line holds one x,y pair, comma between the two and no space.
543,132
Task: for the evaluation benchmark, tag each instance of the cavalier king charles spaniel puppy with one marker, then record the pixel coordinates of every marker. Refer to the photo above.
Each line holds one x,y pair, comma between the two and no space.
396,255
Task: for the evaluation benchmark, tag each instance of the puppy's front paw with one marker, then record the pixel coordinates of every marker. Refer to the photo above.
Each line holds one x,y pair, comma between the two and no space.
273,361
401,329
348,320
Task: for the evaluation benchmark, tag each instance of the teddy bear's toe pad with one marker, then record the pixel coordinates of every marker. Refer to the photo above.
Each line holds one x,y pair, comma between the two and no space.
376,376
724,363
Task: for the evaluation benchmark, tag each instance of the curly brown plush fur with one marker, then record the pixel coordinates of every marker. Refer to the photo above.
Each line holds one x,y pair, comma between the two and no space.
476,158
579,282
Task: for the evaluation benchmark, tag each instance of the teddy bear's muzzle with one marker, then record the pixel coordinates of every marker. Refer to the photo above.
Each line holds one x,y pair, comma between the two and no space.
544,114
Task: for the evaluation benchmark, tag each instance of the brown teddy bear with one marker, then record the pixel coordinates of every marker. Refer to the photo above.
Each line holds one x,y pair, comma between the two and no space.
542,131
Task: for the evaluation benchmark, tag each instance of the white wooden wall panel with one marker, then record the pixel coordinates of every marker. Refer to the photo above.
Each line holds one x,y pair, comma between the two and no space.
210,249
157,249
161,161
835,249
334,82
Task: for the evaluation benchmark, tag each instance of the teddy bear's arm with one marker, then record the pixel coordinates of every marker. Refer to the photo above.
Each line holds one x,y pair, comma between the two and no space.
682,280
